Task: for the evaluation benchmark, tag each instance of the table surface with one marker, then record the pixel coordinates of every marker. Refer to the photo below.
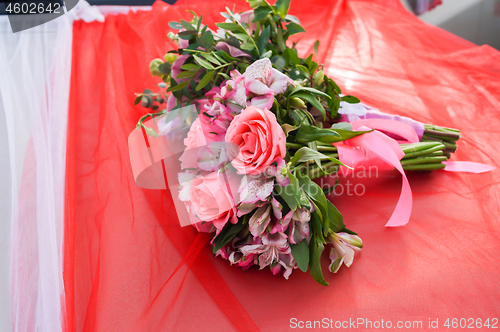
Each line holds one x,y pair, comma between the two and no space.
122,243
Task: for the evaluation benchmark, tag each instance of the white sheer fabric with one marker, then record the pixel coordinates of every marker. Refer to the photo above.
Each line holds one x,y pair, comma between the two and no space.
35,72
35,68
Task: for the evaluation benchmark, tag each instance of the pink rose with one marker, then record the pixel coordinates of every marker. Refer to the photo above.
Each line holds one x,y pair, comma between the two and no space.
212,200
194,140
260,139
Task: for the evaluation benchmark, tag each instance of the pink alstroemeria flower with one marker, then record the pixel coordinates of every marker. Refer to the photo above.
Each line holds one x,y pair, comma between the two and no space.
232,253
234,93
262,217
262,80
215,118
344,247
231,50
274,252
297,223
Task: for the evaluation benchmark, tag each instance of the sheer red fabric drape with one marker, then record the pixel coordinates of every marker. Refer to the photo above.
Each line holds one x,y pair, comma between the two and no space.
122,243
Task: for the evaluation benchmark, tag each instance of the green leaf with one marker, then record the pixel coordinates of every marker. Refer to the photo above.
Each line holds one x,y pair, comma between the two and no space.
205,80
263,40
300,253
187,34
228,233
334,105
247,46
314,191
307,134
308,89
242,36
316,46
303,70
137,99
203,63
279,62
261,12
316,224
291,18
184,113
342,125
313,101
188,26
226,56
335,86
316,248
210,58
192,46
190,67
335,219
291,56
306,154
282,7
165,68
267,55
172,114
293,28
348,231
208,39
289,193
350,99
177,87
175,25
185,74
233,27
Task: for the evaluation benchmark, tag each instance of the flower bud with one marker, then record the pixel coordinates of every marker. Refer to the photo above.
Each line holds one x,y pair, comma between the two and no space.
297,103
318,77
153,67
170,57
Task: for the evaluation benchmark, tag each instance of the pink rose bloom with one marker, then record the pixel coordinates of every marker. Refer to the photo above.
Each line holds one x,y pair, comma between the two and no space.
260,139
194,140
212,200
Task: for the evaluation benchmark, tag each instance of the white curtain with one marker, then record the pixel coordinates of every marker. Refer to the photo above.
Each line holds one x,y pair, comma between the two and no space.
35,73
35,68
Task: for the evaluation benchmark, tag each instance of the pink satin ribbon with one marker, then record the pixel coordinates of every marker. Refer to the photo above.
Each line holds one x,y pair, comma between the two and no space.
400,131
467,166
376,149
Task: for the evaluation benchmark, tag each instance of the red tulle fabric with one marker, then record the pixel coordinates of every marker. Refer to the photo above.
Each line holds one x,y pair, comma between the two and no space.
123,243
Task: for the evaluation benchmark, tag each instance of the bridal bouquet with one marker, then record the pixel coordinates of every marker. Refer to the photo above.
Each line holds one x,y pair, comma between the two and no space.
259,124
